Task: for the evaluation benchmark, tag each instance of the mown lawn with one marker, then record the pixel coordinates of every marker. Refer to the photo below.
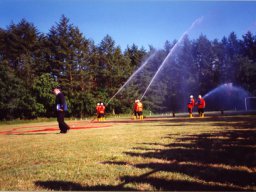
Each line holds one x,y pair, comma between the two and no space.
213,153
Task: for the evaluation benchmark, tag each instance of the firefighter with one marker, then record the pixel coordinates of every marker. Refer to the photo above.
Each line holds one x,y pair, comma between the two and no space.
200,105
140,109
98,111
190,106
102,112
135,114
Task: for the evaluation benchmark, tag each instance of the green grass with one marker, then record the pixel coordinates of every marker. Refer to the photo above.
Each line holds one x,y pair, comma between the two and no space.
20,121
214,153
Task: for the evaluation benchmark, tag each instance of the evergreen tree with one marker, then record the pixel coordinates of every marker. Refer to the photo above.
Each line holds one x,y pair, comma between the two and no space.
135,54
234,50
246,73
106,63
15,100
204,59
249,46
231,52
42,88
114,68
69,56
185,74
31,63
218,51
136,58
21,45
2,43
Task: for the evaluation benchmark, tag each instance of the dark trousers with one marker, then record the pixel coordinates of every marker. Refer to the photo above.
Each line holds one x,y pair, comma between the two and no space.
200,110
62,125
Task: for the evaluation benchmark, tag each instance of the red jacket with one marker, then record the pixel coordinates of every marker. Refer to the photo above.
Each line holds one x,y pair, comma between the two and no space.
98,109
135,106
191,103
102,109
201,103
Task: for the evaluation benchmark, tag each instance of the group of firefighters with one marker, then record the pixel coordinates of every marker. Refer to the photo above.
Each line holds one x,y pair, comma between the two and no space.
61,107
100,109
200,103
138,108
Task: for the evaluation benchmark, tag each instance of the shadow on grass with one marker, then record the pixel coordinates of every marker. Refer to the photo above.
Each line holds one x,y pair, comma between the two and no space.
212,161
167,185
224,160
71,186
244,121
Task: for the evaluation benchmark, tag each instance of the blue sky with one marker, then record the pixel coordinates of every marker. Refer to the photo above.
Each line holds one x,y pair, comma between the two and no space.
142,22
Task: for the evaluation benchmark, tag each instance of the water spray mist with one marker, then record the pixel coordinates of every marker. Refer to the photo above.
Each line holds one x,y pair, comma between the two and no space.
136,72
196,22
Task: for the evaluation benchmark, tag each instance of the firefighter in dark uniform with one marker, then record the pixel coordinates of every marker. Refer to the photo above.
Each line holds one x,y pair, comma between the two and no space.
61,107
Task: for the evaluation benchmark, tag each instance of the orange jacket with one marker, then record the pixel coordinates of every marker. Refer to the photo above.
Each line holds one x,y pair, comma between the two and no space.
191,103
139,107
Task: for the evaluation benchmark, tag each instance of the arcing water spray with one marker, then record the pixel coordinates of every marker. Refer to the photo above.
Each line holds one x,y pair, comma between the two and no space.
196,22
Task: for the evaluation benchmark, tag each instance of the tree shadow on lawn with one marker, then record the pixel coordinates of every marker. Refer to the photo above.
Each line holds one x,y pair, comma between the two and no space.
160,184
243,121
217,161
224,160
72,186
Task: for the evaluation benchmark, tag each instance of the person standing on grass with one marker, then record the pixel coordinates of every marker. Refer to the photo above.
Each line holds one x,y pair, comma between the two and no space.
61,107
102,112
140,109
200,105
191,105
135,106
98,111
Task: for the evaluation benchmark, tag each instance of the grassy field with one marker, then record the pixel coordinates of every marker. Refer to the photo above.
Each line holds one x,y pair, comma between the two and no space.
213,153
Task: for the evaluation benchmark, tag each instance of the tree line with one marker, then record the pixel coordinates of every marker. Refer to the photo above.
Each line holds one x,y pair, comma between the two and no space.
31,63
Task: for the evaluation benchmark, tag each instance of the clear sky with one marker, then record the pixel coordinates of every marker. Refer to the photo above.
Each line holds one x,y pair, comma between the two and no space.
142,22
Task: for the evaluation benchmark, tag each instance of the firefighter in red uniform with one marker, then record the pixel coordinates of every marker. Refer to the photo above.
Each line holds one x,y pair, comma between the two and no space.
98,111
190,106
135,114
102,112
140,109
200,105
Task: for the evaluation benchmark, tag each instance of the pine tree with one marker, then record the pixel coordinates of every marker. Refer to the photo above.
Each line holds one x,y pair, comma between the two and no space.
249,46
246,73
15,99
21,45
204,59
